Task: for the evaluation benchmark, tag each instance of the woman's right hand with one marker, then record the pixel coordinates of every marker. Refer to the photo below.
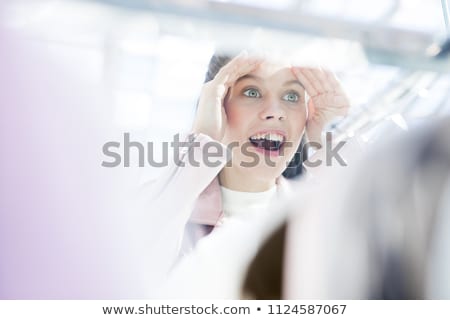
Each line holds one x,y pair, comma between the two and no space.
211,118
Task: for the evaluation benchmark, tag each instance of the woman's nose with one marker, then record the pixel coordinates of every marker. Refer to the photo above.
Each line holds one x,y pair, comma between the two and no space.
273,110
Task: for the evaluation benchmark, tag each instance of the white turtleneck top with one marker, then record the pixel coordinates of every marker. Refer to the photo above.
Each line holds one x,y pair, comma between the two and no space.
245,205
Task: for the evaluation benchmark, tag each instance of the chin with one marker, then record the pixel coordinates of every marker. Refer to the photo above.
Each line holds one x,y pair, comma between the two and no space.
265,171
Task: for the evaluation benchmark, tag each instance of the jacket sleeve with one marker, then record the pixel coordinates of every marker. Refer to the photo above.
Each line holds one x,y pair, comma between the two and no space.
169,200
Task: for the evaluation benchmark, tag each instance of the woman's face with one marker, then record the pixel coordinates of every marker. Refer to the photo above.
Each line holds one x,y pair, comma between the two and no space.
266,116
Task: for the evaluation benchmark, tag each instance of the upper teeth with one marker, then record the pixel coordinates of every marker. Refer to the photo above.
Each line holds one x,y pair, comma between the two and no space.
268,136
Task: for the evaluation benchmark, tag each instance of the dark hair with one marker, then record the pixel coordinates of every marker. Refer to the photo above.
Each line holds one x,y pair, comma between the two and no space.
295,166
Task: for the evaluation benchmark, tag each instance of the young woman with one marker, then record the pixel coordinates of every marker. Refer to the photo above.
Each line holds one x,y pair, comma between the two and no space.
257,110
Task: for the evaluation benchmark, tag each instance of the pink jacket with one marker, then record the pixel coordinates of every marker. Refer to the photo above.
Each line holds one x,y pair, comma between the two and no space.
207,213
187,200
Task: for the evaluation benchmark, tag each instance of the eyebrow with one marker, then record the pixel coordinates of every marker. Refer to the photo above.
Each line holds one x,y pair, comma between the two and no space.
294,82
251,76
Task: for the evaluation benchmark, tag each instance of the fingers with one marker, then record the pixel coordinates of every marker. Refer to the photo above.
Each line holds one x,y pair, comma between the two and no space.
317,80
307,83
331,77
236,68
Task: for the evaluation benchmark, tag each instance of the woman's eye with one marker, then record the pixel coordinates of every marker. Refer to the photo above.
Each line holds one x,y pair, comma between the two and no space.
291,97
252,93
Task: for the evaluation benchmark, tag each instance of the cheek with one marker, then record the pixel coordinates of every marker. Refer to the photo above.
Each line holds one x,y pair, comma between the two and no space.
239,114
233,116
237,122
231,112
298,122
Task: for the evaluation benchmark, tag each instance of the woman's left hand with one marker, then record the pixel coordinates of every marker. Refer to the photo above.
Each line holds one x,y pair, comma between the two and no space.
327,99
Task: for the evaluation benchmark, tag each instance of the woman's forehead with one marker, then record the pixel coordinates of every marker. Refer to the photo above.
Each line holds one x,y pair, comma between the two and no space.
273,73
268,70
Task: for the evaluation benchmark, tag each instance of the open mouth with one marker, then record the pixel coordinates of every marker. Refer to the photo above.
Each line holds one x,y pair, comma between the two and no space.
268,142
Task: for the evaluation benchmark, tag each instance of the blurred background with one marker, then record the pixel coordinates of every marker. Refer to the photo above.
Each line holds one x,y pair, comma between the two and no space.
149,58
85,72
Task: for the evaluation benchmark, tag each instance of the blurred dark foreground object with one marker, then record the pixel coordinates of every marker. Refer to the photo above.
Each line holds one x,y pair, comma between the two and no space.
384,235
